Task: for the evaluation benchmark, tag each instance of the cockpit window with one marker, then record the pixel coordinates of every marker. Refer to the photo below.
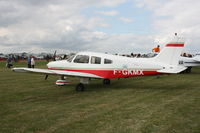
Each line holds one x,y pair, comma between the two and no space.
107,61
70,58
81,59
95,60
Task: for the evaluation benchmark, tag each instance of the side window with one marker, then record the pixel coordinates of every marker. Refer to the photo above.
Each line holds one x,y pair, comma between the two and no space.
81,59
95,60
107,61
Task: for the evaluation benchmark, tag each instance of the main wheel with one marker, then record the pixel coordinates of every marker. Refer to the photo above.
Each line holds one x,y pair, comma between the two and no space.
106,81
80,87
189,70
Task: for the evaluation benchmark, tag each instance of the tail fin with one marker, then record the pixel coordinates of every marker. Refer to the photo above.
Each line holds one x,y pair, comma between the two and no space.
170,54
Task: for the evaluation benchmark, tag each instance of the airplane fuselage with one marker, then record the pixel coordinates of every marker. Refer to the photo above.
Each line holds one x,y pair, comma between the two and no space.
118,67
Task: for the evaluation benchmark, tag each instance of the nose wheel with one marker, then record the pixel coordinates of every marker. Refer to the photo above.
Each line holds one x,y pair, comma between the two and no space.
80,87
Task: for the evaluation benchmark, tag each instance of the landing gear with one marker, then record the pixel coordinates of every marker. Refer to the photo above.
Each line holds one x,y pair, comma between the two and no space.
80,87
46,77
106,81
83,81
189,70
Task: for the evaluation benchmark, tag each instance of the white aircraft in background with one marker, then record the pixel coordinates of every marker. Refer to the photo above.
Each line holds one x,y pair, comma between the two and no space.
189,62
87,65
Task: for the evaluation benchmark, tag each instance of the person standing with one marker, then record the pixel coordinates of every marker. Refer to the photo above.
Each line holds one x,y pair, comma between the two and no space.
9,62
32,62
157,49
29,62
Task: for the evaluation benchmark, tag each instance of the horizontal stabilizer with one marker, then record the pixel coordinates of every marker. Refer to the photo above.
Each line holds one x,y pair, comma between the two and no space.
172,70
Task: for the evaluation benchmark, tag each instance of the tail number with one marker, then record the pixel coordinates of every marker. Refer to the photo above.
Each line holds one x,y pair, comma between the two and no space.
128,72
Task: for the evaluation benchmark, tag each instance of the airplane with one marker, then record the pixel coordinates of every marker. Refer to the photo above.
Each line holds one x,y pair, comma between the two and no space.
92,65
189,62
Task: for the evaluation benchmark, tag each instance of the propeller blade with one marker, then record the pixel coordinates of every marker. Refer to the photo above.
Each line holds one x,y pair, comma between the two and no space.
54,56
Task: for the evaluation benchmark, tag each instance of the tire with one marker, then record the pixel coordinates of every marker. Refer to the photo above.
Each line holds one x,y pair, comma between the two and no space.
189,70
80,87
106,81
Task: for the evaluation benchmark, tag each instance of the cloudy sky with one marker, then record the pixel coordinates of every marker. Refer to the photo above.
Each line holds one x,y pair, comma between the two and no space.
115,26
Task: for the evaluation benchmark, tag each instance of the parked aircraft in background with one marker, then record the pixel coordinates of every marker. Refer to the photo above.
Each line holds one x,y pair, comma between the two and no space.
189,62
87,65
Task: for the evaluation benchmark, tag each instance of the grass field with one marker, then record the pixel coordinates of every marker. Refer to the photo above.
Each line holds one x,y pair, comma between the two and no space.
169,104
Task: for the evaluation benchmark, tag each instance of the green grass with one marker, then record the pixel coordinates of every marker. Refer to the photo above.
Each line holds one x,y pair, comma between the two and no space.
169,104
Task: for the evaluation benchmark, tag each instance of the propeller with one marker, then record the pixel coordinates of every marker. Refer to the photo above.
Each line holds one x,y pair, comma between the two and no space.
54,56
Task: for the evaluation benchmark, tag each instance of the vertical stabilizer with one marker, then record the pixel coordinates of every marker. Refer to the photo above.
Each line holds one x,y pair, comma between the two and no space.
170,53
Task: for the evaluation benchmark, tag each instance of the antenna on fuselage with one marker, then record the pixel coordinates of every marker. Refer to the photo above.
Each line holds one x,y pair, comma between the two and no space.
176,37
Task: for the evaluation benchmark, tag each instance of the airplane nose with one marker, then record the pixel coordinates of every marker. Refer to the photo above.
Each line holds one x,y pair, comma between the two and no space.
56,64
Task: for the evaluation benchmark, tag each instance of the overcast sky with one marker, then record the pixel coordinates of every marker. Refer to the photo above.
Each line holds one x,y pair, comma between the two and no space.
115,26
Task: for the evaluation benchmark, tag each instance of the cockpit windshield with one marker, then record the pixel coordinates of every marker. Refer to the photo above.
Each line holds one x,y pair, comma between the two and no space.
70,58
81,59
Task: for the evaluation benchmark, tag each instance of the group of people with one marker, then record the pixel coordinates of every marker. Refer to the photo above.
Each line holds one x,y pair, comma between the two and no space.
9,62
186,55
31,62
155,50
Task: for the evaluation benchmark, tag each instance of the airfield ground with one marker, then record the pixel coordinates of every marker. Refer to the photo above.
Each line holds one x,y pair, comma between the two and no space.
169,104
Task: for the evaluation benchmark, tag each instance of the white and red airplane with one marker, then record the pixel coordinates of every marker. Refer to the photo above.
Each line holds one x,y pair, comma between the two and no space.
87,65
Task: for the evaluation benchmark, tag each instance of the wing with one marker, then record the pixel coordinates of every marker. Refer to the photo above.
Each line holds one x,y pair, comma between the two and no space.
55,72
174,70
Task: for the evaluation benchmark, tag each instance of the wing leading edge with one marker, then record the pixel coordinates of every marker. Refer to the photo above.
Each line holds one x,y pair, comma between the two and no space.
55,72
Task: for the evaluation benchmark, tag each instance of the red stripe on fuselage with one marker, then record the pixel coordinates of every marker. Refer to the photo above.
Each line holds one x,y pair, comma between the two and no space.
111,74
174,45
